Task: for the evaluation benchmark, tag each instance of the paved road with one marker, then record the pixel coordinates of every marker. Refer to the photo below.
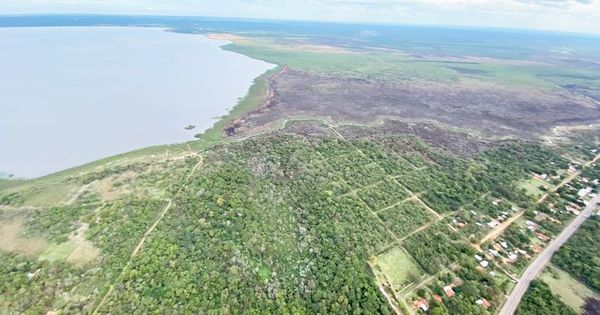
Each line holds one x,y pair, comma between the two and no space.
538,264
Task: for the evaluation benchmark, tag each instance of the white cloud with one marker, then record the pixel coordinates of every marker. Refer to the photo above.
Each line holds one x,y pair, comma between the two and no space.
565,15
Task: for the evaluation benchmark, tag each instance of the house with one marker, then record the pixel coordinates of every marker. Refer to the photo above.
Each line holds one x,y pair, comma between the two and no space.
573,210
512,257
536,248
493,223
584,192
543,237
449,291
484,264
485,303
530,223
422,304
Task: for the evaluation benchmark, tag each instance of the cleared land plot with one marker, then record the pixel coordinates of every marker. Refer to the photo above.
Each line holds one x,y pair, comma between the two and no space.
398,268
383,194
406,217
570,291
13,241
532,186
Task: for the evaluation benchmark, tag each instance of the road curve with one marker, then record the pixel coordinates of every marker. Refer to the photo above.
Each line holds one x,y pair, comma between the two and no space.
538,264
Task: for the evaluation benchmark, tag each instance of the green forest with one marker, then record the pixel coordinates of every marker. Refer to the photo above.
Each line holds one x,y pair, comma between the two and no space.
279,223
539,300
580,256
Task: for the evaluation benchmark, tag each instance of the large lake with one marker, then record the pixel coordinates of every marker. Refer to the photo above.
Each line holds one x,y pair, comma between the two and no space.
71,95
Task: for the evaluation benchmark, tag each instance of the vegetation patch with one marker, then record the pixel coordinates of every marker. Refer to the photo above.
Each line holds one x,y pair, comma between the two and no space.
12,239
571,292
383,194
534,187
539,300
405,217
397,267
580,255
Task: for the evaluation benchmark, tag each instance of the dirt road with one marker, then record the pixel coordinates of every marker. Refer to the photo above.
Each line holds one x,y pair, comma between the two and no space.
540,262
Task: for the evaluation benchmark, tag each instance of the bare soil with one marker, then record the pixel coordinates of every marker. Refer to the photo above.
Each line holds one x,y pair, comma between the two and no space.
12,240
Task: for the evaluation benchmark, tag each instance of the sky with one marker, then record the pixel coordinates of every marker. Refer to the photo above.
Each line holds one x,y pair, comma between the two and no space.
582,16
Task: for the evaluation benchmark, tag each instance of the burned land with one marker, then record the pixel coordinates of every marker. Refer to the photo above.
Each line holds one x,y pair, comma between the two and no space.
490,109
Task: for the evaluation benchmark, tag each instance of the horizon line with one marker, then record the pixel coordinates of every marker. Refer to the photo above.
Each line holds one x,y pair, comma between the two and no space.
366,23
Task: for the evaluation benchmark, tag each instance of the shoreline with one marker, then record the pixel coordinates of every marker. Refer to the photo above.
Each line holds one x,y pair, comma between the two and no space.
253,97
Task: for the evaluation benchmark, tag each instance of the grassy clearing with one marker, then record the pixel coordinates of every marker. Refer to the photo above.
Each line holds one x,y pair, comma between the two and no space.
48,196
570,291
8,183
532,186
58,252
13,241
398,268
395,65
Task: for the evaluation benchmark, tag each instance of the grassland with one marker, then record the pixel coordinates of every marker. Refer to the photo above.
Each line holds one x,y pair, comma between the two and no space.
532,186
572,292
398,268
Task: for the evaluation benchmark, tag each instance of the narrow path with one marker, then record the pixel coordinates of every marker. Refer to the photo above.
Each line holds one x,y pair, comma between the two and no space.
390,301
540,262
149,231
77,194
569,179
437,215
500,229
397,203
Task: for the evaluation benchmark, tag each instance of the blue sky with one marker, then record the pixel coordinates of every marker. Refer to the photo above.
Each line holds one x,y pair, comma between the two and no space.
565,15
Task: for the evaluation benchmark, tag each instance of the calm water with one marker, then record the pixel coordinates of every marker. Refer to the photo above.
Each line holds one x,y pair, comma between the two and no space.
74,95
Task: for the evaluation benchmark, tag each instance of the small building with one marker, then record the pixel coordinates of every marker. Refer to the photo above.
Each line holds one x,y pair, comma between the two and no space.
584,192
493,223
512,257
493,252
421,304
437,298
449,291
536,248
504,244
543,237
530,223
478,258
485,303
484,263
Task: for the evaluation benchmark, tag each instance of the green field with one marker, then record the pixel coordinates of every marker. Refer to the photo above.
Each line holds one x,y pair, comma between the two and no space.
570,291
532,186
398,268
